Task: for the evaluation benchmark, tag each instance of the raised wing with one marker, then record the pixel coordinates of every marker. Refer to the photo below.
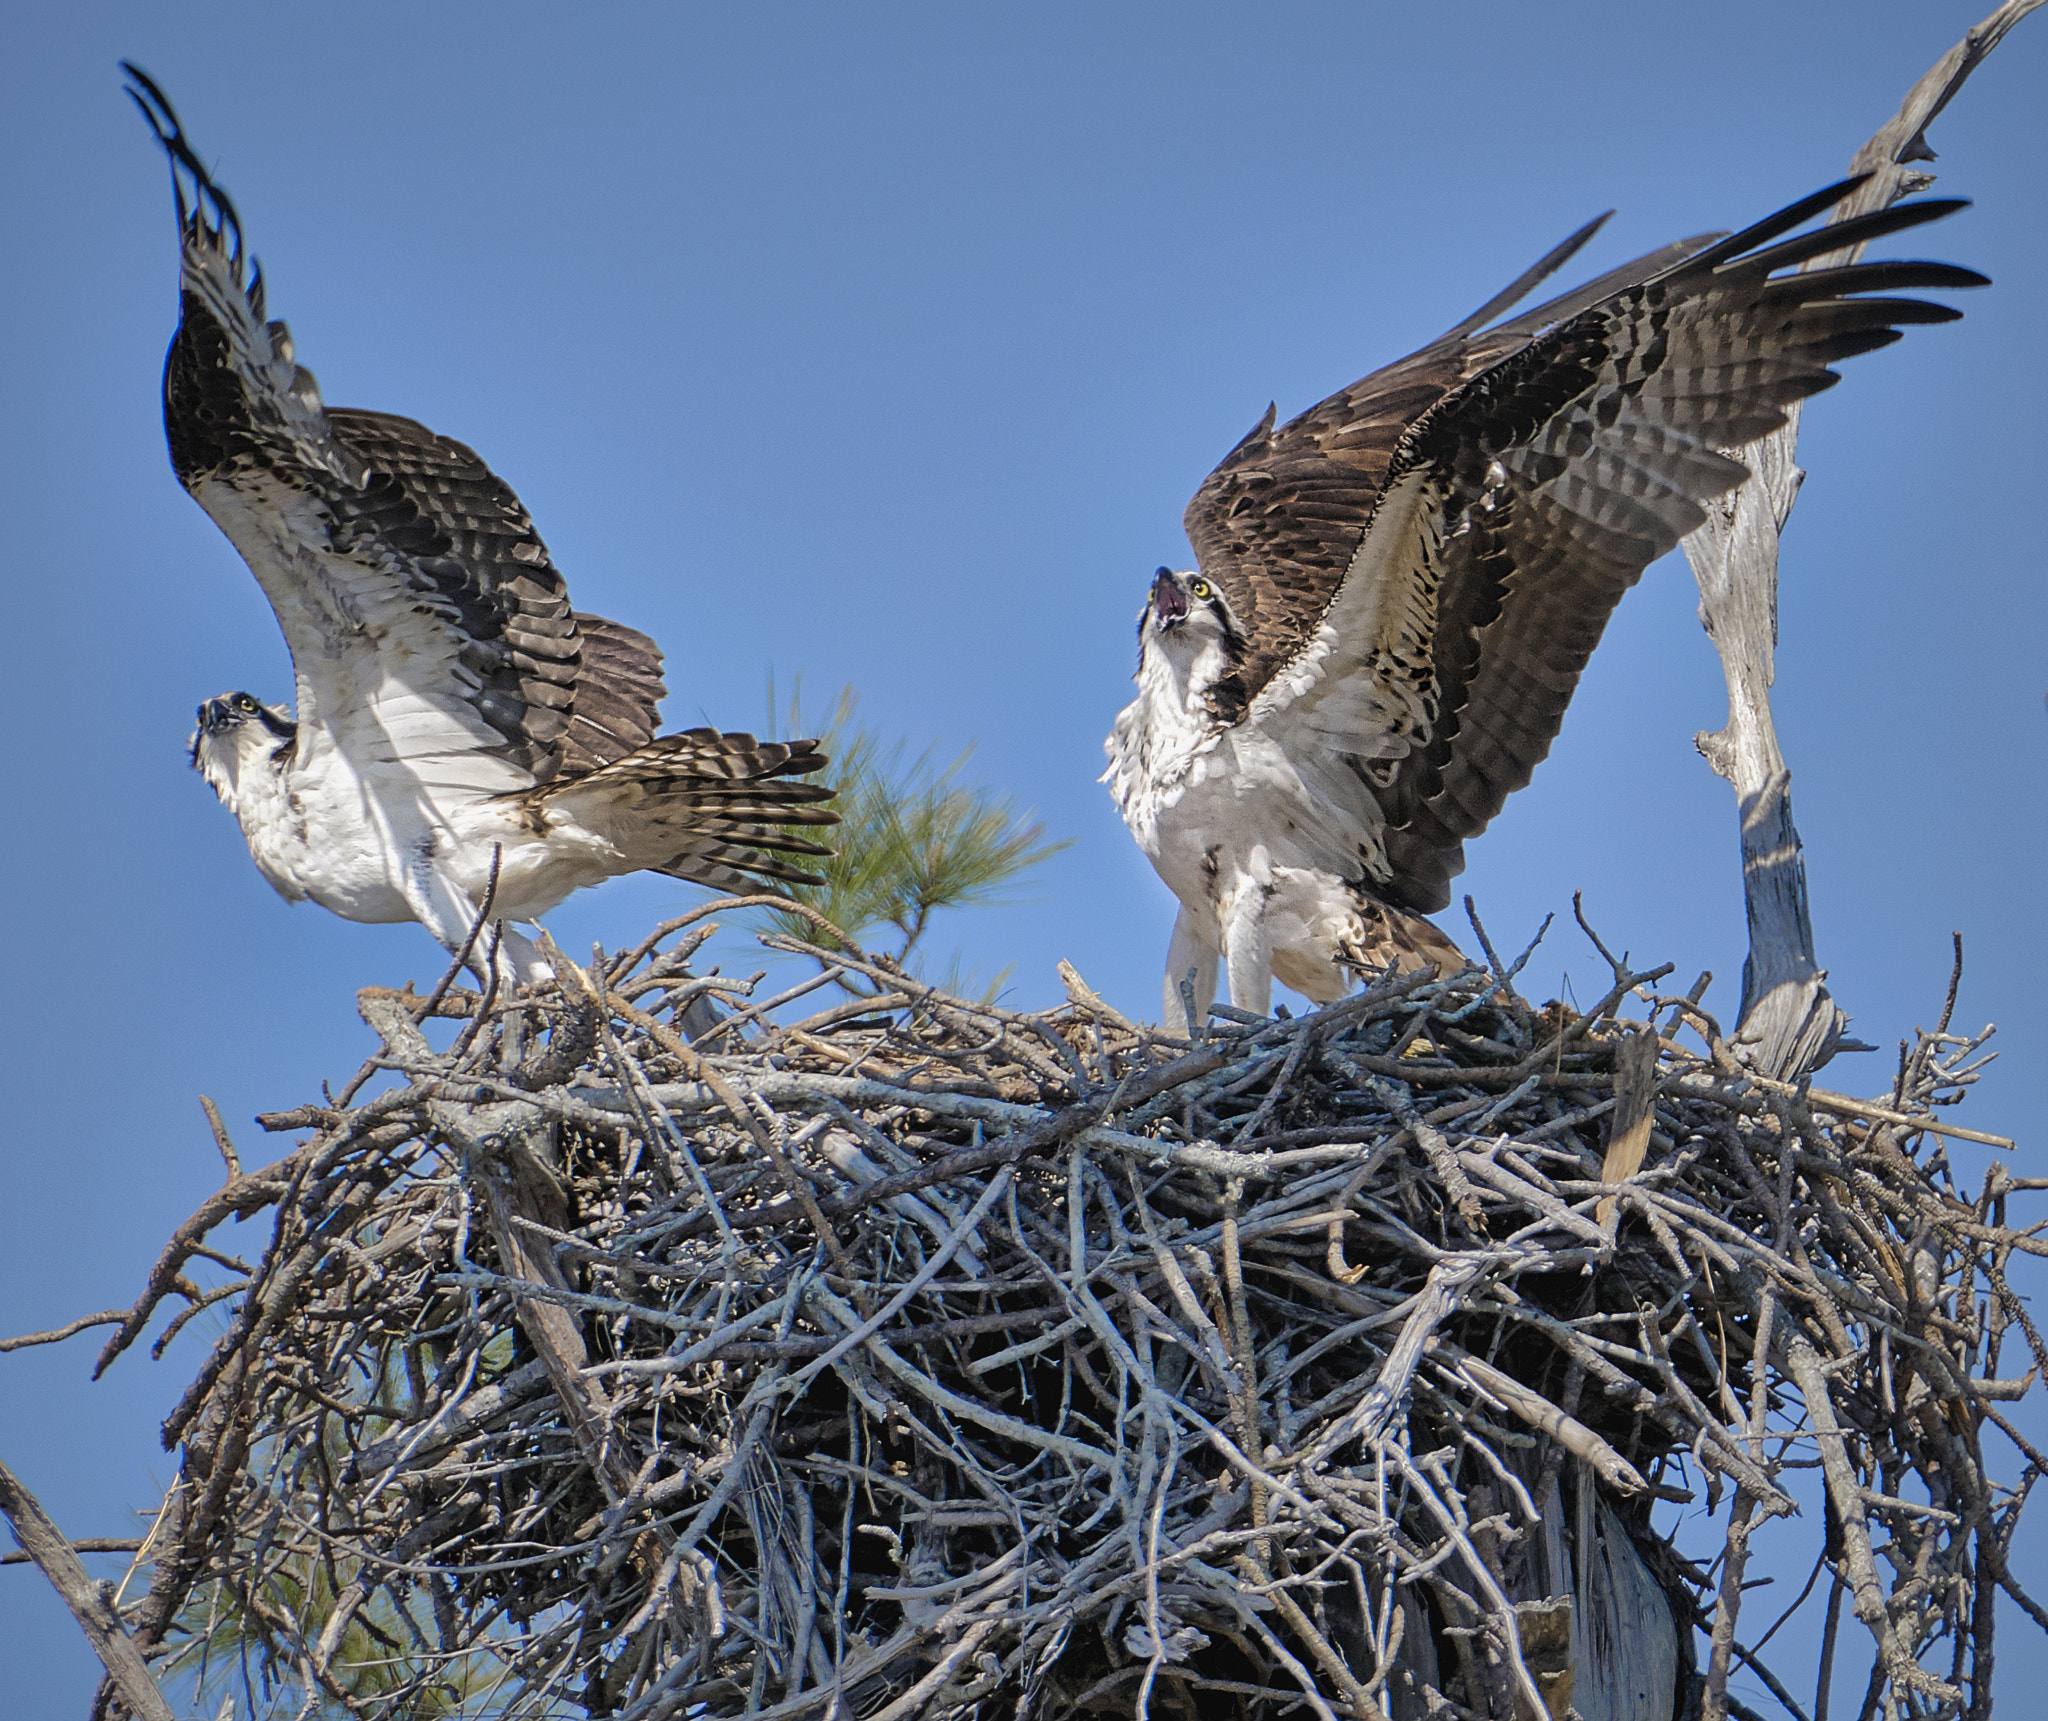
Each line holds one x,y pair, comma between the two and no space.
426,622
1277,523
1511,515
468,530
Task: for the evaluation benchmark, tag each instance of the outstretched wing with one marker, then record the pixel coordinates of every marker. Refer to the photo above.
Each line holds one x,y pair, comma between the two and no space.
427,625
1277,524
479,527
1508,518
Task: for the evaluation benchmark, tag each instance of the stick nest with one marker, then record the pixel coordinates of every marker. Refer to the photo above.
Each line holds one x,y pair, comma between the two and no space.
922,1358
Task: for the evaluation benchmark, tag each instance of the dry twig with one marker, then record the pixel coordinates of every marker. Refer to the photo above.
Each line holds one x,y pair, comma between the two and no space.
934,1356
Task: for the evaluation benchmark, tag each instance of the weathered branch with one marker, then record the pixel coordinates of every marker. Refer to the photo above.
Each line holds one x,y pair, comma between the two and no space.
1789,1024
44,1543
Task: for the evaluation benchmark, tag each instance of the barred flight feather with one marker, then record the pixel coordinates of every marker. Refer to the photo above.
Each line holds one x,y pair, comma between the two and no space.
460,730
1415,571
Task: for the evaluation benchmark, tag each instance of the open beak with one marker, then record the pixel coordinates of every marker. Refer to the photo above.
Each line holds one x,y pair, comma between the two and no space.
1169,602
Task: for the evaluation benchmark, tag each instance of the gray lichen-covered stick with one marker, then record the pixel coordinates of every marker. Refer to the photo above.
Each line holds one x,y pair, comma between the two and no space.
48,1547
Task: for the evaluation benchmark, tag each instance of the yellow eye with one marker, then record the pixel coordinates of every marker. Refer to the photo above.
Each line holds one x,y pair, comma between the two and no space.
245,703
1200,588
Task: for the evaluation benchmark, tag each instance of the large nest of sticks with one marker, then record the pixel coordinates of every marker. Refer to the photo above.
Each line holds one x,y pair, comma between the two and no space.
921,1358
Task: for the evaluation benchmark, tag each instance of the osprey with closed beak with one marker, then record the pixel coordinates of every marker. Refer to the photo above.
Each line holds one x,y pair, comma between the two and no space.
461,735
1395,593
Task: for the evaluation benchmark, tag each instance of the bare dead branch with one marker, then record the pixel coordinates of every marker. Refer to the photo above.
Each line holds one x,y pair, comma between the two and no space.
1789,1024
44,1543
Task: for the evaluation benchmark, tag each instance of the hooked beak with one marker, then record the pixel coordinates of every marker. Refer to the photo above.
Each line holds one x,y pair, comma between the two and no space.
1169,602
201,728
211,718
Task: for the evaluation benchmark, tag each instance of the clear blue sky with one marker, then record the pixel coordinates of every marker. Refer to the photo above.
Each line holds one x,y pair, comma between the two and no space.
885,344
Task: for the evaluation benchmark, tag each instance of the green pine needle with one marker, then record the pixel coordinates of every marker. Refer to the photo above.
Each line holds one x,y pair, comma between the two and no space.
914,839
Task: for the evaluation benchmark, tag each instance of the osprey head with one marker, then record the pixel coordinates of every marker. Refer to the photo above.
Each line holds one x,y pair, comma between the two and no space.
1190,647
1186,615
236,733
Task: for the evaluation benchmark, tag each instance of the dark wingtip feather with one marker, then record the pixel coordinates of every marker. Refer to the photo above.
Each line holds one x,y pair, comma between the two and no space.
1783,221
1836,348
1867,312
1525,283
1749,252
155,107
1882,277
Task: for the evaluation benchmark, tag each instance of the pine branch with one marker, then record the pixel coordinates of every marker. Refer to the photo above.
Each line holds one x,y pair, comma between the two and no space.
915,839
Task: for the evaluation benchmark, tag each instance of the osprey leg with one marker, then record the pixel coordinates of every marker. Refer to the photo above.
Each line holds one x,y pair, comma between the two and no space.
1190,963
1248,948
444,908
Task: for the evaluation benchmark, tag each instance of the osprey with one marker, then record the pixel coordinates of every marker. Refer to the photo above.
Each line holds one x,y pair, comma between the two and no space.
461,734
1396,592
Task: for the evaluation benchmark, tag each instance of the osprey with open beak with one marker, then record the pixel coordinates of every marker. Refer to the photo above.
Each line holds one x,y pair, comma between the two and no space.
1395,593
